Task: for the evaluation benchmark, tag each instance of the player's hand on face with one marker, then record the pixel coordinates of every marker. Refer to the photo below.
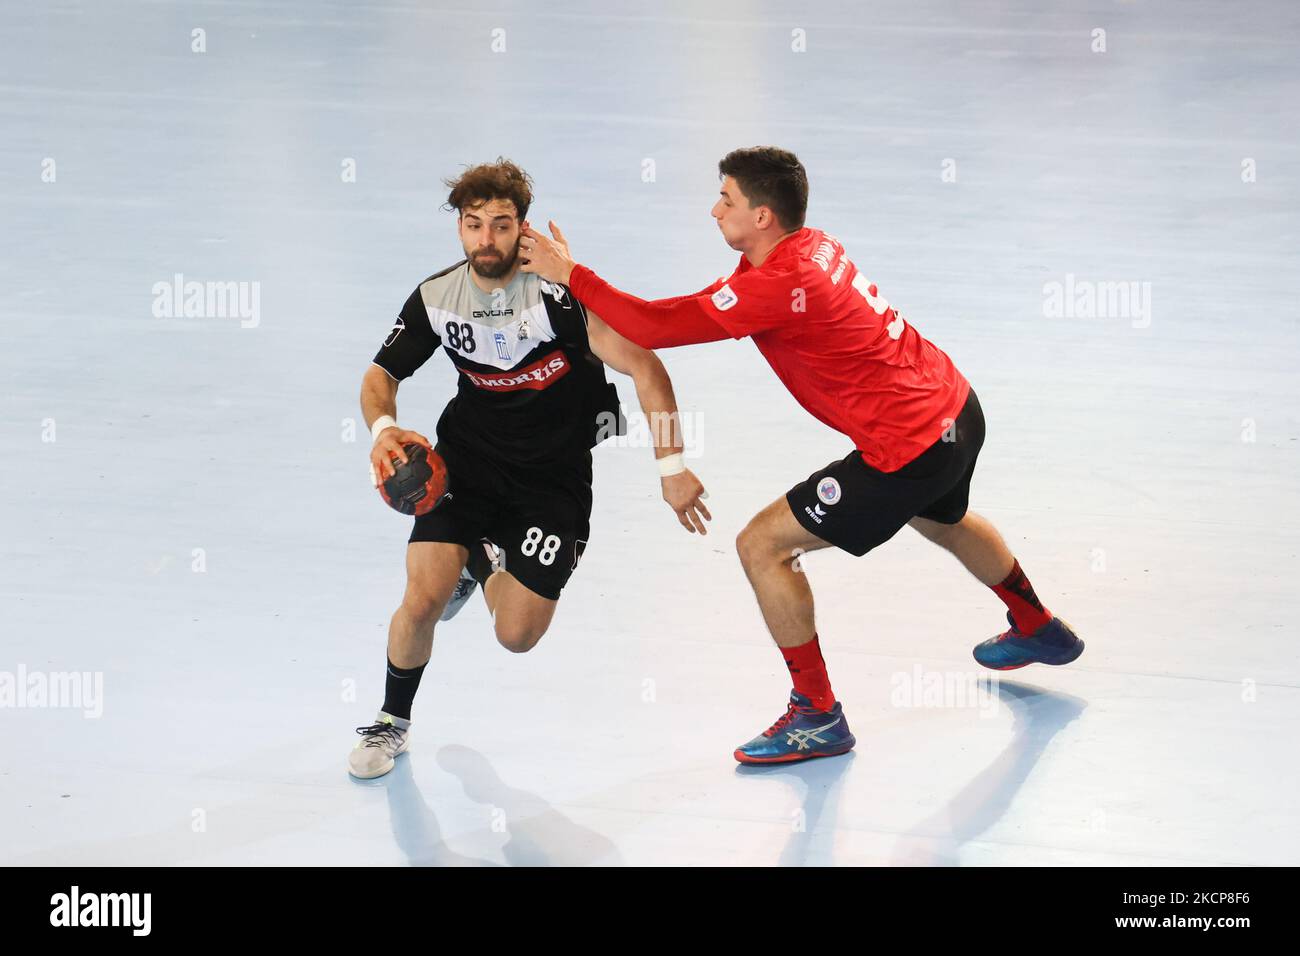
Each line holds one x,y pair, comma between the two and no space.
685,494
546,257
388,446
558,238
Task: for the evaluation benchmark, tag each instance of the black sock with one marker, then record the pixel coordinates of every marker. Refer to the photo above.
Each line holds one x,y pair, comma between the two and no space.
478,565
399,689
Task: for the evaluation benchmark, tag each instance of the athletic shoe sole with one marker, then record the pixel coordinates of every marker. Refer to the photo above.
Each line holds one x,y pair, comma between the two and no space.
1074,653
392,762
794,757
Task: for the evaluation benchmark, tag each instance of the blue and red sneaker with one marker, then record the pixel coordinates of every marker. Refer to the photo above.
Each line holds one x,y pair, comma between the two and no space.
1053,643
802,732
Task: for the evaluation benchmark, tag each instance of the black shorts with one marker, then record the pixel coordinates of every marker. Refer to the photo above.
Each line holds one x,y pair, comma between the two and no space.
855,507
538,516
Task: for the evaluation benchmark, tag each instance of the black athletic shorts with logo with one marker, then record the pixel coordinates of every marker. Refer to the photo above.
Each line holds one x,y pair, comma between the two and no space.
855,507
539,517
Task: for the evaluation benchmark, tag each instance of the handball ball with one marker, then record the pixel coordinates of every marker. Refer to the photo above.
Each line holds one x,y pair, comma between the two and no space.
417,487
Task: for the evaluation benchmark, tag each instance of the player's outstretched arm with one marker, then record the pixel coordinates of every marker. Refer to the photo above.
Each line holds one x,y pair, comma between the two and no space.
681,489
659,324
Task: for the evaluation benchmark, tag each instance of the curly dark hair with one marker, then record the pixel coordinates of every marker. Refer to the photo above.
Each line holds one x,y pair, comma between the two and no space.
487,181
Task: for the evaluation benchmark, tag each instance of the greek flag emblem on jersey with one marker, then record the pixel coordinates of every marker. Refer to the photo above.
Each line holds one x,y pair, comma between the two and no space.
503,348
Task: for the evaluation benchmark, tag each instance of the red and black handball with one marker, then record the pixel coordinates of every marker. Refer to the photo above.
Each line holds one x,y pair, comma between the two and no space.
418,486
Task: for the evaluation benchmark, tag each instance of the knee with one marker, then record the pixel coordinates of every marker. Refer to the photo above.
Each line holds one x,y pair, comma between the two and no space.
422,608
756,549
749,545
518,637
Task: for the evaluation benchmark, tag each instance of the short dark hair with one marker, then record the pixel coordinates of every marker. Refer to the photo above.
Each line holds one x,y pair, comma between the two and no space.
487,181
772,177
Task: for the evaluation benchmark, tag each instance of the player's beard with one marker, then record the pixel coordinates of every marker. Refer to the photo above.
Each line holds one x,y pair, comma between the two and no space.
494,266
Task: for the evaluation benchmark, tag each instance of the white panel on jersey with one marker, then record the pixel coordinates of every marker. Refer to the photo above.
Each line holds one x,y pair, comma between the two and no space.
500,340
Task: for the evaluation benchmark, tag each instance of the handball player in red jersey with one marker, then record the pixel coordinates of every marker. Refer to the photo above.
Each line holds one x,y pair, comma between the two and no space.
855,364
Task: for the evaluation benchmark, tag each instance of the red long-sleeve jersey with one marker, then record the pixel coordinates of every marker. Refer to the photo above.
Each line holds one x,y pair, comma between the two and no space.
843,352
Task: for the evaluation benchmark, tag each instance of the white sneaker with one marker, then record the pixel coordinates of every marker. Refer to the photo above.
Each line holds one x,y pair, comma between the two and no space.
464,588
380,744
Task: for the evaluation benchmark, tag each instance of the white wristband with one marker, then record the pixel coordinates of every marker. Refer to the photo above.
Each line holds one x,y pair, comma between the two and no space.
382,422
671,465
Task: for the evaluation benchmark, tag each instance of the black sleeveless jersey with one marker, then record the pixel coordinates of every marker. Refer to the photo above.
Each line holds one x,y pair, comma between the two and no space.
530,391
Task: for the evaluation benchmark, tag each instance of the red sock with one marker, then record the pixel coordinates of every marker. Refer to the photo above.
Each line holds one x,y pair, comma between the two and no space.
808,670
1018,595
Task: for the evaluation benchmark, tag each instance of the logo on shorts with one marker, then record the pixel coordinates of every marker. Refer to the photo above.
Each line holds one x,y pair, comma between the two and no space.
724,299
828,491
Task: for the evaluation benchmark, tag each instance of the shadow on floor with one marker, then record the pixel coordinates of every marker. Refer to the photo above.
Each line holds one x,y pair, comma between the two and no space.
536,833
1038,715
817,783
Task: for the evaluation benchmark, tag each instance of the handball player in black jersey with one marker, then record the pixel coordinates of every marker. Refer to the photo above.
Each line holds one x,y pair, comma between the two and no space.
531,401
